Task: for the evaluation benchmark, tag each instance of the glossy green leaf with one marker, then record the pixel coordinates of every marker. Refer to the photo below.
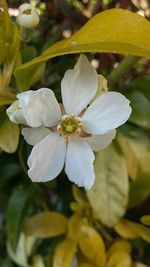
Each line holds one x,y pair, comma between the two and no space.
114,30
140,109
16,211
9,135
46,224
139,190
109,195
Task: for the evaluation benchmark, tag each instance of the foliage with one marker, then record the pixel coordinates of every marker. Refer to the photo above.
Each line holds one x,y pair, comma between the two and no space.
54,223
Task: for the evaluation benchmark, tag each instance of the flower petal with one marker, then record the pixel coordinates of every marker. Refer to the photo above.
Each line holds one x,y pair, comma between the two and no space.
107,112
79,163
34,135
40,107
47,158
79,86
99,142
15,113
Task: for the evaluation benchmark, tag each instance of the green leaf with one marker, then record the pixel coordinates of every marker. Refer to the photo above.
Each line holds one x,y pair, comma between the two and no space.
113,31
16,211
109,195
140,109
139,190
8,170
9,135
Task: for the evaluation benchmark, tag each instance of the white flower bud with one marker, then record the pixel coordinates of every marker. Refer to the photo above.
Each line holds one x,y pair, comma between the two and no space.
28,16
15,113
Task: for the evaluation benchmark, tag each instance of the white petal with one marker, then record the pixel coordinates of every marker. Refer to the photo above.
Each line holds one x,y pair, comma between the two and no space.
79,163
47,158
40,107
79,86
107,112
35,135
15,113
99,142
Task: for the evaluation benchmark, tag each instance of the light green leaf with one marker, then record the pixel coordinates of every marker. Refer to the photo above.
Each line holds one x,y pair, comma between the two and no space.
136,148
109,195
113,30
9,135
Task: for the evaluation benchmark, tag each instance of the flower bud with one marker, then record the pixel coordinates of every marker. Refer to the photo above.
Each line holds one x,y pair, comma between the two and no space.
15,113
28,16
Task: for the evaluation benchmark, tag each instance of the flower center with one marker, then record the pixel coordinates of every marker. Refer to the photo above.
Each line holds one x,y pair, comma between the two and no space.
69,125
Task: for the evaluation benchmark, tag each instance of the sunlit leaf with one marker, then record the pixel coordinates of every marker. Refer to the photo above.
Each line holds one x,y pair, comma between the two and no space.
114,30
9,135
129,229
46,224
64,253
92,246
109,195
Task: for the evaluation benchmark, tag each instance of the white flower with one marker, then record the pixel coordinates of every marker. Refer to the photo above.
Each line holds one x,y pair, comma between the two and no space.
15,113
28,16
69,134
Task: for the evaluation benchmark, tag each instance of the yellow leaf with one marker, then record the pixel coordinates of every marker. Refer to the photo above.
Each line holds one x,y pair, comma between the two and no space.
6,100
79,196
120,245
92,246
119,259
85,264
64,253
46,224
109,194
113,30
9,135
146,219
74,226
129,229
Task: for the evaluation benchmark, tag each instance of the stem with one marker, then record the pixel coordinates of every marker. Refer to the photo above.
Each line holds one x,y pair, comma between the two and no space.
122,69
